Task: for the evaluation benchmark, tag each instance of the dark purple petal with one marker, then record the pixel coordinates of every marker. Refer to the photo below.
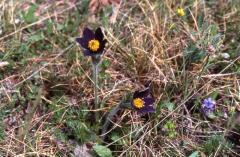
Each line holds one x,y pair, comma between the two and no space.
88,34
148,101
86,52
102,46
104,43
99,34
147,109
100,51
82,42
141,94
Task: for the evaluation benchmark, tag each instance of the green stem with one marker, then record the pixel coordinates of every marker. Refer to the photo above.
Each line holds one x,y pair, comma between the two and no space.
204,67
108,121
95,81
23,132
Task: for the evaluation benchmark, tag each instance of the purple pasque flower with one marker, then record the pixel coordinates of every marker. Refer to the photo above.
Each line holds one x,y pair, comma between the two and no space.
92,42
208,106
143,101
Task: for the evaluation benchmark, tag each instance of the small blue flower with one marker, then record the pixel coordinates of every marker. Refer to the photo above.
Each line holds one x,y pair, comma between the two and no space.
208,106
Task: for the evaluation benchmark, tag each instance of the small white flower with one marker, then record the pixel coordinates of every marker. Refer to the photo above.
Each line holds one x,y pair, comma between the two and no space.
225,115
17,21
225,55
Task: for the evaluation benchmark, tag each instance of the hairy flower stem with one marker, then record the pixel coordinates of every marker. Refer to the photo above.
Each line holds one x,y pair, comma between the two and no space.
95,81
109,119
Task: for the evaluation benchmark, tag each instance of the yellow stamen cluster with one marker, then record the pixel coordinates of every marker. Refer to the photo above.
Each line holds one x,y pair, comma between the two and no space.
180,12
93,45
138,103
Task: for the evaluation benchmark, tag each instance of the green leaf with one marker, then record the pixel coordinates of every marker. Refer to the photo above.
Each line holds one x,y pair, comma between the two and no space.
116,138
215,94
60,27
194,154
36,37
213,30
102,151
211,116
170,106
30,17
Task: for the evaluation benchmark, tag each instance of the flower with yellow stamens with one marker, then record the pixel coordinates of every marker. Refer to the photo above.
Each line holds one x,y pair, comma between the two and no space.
92,42
180,12
138,103
93,45
143,101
